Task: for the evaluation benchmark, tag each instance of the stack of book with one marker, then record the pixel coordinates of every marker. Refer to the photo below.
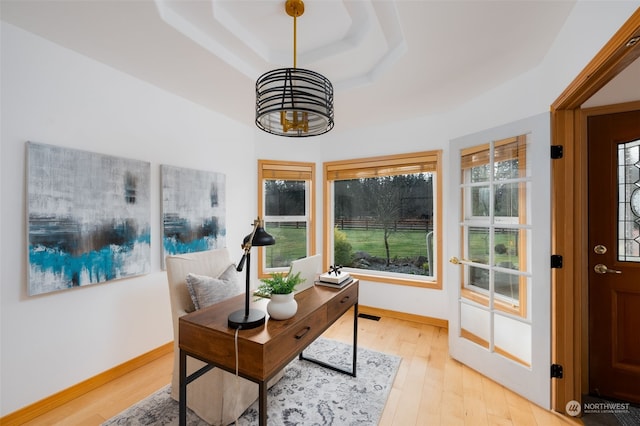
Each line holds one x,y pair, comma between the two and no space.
331,279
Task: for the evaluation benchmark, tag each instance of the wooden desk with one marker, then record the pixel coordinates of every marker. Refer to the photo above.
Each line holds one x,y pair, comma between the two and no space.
265,350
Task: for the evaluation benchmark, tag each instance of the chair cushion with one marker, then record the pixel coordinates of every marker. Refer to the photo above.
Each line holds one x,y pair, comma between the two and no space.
206,291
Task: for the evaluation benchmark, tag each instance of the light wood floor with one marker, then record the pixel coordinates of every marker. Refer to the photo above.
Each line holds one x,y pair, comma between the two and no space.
430,388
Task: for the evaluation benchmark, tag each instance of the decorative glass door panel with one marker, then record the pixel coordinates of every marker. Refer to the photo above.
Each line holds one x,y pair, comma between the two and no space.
629,202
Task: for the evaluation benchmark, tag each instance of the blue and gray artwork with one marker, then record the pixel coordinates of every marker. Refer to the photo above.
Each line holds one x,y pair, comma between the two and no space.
88,218
193,210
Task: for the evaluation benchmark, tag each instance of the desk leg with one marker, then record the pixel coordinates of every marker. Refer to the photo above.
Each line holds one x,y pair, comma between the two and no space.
355,338
183,389
262,395
355,350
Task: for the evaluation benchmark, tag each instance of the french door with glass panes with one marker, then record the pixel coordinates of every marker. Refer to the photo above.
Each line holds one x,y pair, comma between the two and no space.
499,269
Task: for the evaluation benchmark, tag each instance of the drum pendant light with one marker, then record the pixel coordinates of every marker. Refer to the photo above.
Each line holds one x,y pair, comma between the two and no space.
294,102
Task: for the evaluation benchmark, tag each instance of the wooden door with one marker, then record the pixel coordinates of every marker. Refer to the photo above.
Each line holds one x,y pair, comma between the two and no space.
614,255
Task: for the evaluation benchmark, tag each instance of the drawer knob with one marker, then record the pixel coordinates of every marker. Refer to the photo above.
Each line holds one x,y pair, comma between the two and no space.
345,299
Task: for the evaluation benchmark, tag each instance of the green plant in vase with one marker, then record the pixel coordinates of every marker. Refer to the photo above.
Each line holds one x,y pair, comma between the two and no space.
279,288
279,283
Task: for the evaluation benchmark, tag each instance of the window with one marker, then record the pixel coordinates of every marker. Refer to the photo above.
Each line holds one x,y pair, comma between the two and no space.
287,205
494,225
382,218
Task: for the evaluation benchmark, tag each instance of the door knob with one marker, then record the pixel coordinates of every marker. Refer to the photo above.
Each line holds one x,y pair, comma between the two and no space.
602,269
457,261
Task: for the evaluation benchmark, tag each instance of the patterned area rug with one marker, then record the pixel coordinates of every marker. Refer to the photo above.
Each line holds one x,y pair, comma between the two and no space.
308,394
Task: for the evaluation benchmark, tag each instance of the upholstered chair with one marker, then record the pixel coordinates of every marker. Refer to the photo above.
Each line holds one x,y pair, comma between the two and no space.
218,397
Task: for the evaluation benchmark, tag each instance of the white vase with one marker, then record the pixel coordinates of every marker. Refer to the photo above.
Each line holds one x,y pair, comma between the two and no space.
282,306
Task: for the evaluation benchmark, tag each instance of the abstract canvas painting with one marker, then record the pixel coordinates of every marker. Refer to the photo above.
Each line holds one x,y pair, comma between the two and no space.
193,210
88,218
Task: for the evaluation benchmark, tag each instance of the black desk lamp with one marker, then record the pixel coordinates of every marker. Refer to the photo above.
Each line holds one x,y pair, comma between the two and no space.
250,318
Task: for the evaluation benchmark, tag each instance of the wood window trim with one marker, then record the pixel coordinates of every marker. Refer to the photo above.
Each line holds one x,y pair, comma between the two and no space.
375,166
288,170
568,201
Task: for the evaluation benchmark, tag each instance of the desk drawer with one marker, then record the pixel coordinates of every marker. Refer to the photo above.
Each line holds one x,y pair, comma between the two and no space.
293,341
340,304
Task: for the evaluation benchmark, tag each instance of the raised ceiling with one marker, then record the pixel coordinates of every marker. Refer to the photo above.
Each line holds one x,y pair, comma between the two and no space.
388,60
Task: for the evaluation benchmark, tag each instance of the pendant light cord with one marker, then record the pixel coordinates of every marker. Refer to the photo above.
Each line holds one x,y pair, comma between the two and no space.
295,20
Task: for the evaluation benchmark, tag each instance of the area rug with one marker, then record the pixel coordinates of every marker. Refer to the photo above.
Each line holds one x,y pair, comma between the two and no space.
308,394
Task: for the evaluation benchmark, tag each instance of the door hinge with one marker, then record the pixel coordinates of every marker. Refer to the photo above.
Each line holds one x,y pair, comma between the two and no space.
556,261
557,152
556,371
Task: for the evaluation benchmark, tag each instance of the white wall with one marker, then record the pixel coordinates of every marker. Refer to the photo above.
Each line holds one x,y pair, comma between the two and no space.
52,95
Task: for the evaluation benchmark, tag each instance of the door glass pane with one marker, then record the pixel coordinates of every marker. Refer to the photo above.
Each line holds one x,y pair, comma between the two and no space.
480,173
510,158
506,200
477,277
629,201
507,285
480,202
478,244
507,247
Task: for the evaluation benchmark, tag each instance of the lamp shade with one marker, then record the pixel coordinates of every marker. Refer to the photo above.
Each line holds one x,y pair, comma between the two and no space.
294,102
260,238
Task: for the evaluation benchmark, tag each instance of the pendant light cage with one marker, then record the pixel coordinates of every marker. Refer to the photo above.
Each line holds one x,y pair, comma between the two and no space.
294,102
